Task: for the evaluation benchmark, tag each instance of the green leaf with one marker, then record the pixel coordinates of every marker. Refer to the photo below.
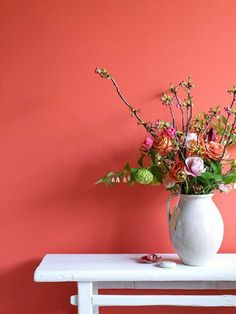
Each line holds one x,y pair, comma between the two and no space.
153,156
102,180
120,174
127,167
224,119
107,179
132,182
216,166
209,175
133,171
140,161
155,170
230,178
110,174
155,181
132,175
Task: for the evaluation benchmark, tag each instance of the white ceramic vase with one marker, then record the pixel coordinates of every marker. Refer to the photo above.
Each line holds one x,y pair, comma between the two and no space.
196,228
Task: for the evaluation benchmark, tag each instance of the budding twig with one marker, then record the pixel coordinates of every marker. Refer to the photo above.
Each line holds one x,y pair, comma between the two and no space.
228,116
206,127
104,74
180,107
172,116
189,111
228,139
173,90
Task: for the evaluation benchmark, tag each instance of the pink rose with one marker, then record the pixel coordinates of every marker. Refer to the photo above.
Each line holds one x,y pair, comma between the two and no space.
194,166
146,145
170,131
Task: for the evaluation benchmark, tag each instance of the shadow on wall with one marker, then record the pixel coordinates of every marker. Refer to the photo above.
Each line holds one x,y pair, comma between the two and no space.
17,285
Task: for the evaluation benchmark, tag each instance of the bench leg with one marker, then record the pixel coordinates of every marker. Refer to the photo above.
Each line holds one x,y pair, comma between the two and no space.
85,292
95,291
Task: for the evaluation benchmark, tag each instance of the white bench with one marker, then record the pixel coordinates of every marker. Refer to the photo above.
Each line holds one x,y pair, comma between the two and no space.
123,271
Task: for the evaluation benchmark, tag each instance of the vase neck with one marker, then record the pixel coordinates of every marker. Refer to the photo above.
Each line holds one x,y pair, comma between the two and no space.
192,197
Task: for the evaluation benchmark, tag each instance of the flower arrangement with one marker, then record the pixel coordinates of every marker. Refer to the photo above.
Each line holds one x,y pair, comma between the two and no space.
191,158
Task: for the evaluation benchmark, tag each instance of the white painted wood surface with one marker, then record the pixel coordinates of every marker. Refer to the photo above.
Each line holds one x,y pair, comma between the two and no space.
174,300
126,268
177,300
123,271
185,285
85,297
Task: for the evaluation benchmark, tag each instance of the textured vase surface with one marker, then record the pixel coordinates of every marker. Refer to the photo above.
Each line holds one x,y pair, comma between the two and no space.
196,228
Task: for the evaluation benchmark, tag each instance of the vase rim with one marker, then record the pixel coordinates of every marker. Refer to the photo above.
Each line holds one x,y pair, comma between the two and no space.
196,196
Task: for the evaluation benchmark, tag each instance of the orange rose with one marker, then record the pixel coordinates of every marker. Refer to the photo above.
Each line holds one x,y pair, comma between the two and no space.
164,146
176,172
214,150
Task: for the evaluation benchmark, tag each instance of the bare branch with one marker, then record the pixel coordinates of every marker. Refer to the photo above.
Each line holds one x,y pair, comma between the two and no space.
228,139
228,116
104,74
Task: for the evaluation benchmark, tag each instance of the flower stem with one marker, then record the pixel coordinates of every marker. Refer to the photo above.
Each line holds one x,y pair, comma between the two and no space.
187,186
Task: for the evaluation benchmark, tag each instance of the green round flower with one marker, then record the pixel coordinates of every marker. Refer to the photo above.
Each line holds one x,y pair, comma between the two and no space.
143,176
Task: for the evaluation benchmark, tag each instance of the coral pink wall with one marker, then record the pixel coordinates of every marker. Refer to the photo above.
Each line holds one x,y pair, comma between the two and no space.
62,127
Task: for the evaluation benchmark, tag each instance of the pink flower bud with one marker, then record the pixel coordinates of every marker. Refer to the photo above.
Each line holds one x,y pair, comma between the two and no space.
146,145
170,131
211,136
149,141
